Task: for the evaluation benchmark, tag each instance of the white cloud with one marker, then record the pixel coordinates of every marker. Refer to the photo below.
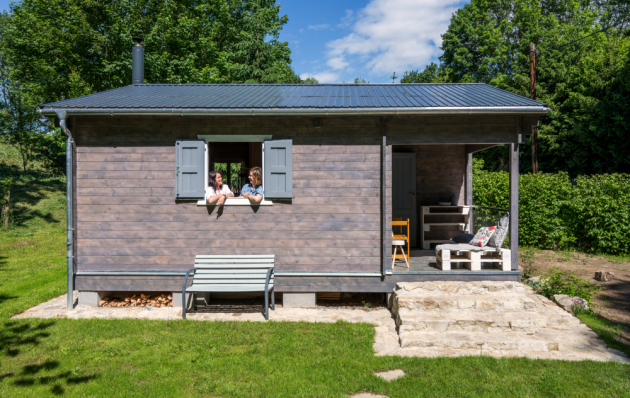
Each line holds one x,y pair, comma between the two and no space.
337,63
319,27
323,77
393,35
347,19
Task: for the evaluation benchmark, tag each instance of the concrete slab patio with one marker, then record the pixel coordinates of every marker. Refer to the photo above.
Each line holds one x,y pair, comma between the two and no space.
387,340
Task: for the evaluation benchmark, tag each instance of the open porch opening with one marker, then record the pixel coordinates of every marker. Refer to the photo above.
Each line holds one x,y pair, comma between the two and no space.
432,188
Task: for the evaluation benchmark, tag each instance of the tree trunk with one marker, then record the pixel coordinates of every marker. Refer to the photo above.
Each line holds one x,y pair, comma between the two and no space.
6,209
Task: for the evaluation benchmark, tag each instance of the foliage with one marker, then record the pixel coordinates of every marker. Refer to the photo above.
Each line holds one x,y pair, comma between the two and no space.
592,214
59,49
310,80
563,281
582,74
5,201
431,74
598,213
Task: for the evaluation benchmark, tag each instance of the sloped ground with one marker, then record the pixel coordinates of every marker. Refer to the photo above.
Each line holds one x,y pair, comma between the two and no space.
499,319
613,302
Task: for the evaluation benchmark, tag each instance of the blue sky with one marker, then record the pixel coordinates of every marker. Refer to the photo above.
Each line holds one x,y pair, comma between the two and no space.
336,41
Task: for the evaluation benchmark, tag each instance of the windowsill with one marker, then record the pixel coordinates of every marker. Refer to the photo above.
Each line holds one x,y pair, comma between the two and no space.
237,202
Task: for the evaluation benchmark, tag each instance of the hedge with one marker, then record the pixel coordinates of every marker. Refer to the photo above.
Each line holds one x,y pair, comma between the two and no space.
590,213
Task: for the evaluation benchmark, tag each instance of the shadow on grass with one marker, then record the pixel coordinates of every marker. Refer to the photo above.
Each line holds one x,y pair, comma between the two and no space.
29,188
6,297
13,336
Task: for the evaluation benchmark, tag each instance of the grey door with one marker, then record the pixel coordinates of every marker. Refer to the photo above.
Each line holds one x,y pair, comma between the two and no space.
404,191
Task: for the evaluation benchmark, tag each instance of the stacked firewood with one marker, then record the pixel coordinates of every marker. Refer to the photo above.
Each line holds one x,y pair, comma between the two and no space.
142,300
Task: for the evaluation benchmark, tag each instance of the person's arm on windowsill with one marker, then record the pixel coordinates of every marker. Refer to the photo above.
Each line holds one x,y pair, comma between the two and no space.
253,198
218,199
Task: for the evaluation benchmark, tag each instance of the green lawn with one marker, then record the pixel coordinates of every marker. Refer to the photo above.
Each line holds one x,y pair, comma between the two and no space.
97,358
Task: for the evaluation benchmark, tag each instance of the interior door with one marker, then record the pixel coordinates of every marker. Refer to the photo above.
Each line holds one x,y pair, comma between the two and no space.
404,191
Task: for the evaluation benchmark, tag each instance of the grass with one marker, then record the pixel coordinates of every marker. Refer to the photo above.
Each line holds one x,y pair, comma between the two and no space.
93,358
606,329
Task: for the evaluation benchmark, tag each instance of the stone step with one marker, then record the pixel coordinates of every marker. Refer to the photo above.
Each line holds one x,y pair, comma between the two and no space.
454,302
461,288
513,341
457,321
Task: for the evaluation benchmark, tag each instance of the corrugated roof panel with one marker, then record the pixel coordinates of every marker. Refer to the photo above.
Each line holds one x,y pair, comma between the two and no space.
250,96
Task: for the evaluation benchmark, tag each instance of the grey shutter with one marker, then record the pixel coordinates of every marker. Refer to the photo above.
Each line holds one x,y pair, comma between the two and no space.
278,169
190,169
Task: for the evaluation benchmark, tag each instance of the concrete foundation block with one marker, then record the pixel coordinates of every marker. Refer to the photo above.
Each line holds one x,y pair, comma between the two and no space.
177,300
91,299
298,300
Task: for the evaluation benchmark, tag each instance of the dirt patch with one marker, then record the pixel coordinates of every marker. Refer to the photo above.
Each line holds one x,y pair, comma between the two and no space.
613,302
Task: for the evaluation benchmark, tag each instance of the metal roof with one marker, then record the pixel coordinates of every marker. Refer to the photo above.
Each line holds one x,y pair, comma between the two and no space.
298,98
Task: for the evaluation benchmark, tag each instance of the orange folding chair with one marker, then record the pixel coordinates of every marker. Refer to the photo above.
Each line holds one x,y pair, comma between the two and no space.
400,239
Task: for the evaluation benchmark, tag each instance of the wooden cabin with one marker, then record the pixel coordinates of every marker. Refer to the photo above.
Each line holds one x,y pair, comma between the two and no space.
338,160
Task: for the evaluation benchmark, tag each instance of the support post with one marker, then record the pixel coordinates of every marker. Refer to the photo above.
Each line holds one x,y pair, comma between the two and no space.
386,246
468,189
514,151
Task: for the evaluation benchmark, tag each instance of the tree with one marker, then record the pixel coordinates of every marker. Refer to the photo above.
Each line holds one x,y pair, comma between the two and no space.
310,80
58,49
581,66
431,74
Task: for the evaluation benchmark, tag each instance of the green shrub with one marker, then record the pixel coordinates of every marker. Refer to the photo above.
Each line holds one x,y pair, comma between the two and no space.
563,281
598,213
592,214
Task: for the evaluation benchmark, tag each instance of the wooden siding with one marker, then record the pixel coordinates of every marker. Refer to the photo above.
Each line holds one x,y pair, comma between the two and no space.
127,217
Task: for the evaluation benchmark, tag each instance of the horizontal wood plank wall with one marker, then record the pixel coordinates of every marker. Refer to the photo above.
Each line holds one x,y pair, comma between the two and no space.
128,219
440,172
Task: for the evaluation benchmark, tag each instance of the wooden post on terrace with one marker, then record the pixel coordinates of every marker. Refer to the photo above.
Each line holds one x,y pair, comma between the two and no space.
514,151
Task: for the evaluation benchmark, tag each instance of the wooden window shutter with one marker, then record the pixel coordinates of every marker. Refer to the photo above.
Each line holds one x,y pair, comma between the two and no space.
278,169
190,168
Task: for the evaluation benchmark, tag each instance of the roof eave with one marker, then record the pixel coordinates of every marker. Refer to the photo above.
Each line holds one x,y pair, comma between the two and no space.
478,110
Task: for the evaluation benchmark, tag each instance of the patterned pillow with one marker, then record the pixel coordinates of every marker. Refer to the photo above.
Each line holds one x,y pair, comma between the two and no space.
496,240
483,236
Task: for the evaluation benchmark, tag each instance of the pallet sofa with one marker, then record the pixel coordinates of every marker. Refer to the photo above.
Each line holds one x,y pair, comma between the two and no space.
472,256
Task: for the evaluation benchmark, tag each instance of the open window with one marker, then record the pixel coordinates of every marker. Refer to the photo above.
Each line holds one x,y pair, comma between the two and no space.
233,157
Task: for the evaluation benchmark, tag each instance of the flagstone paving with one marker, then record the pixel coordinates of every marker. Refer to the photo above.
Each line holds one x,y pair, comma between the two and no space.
430,337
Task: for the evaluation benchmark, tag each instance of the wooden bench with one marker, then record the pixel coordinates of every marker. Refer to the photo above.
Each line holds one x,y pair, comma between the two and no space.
231,274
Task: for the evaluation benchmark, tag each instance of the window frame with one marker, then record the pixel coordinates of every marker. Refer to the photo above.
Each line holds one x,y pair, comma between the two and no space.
232,138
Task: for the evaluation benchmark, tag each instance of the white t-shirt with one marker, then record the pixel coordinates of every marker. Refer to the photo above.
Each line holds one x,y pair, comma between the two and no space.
210,192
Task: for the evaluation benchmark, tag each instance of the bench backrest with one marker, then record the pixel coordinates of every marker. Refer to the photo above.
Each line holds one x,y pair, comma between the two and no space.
233,273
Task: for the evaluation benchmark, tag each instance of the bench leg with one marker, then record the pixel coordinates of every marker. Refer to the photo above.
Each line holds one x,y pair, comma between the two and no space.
266,304
273,299
184,303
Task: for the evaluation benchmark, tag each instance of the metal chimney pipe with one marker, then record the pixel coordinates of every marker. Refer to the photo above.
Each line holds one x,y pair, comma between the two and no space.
137,62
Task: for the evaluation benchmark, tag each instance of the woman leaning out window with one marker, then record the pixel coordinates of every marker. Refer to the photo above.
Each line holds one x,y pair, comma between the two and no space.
253,191
217,191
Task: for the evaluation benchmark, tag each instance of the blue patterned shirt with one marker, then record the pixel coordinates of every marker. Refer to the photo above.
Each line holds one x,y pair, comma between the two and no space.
247,188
